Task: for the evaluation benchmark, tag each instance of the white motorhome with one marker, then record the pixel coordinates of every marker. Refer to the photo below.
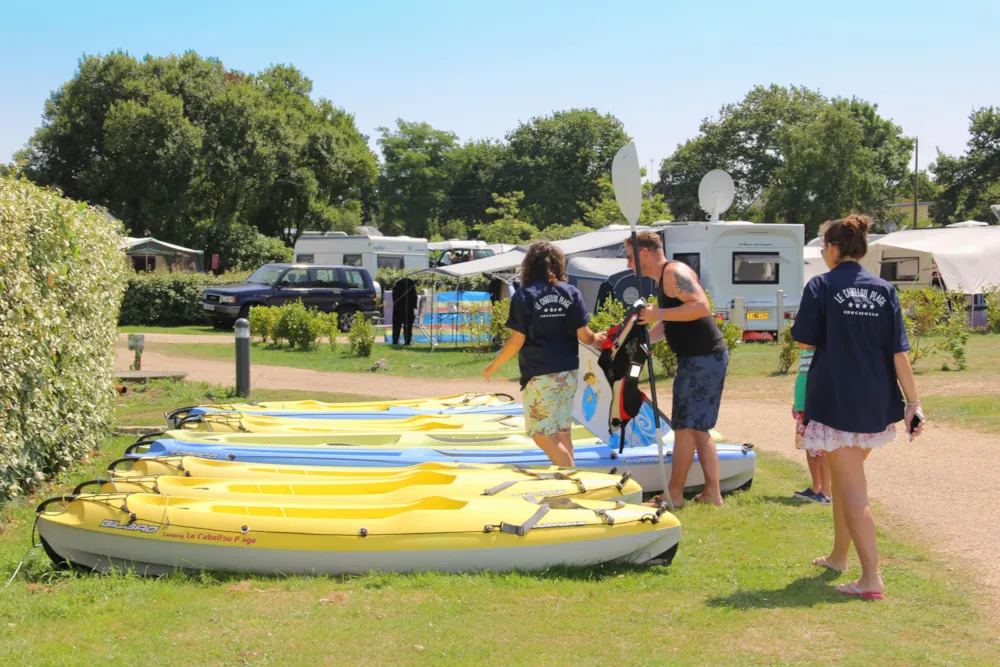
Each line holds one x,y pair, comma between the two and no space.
371,252
743,259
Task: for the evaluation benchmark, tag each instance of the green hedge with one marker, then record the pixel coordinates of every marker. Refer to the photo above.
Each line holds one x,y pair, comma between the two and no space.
170,299
61,282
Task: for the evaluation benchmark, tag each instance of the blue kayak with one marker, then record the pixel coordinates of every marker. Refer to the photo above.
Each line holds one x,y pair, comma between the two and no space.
736,462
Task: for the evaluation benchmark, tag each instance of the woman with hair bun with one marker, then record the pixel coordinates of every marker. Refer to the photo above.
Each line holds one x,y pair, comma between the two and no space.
547,318
853,321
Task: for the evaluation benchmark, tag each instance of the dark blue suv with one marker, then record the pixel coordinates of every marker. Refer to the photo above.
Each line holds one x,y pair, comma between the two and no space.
345,290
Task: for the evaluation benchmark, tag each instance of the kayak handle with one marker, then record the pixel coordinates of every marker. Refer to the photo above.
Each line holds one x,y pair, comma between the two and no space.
82,485
56,499
149,437
131,448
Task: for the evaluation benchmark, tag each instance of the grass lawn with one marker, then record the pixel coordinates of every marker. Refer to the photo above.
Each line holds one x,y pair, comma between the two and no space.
976,413
145,402
190,330
740,591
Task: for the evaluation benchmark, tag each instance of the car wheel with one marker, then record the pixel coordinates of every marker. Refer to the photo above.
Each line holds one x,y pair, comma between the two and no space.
345,319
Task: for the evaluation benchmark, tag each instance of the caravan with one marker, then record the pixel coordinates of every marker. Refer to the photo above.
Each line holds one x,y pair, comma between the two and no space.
743,259
371,252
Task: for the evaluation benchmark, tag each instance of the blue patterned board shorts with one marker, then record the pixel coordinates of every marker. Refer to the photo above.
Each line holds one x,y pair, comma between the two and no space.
698,390
548,403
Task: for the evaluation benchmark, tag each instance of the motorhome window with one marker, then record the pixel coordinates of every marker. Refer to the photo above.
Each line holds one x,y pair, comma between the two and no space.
305,259
692,259
352,260
265,275
354,280
325,278
900,269
755,268
389,261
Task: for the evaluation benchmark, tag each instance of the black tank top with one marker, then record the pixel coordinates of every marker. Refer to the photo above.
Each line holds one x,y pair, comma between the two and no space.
689,339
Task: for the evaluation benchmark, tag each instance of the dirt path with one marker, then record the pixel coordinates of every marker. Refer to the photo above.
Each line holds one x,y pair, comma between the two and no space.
940,486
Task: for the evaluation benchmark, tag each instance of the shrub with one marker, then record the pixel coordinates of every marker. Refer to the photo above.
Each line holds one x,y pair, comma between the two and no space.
362,337
169,299
665,357
954,332
299,325
61,282
240,246
330,327
789,350
992,295
499,333
479,326
924,308
263,322
609,313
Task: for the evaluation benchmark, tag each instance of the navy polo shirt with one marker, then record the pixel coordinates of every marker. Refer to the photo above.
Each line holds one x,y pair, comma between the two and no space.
855,322
548,316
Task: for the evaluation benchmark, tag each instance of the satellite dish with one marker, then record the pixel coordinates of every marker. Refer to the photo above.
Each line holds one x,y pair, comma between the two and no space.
715,193
627,179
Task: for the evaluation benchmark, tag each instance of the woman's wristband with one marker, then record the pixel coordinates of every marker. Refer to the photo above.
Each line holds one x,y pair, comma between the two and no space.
910,404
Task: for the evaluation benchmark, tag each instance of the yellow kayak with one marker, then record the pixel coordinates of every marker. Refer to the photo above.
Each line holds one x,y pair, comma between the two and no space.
193,466
466,424
157,534
469,400
387,488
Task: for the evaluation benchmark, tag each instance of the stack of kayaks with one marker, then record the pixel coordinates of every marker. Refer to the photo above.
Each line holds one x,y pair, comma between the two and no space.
298,497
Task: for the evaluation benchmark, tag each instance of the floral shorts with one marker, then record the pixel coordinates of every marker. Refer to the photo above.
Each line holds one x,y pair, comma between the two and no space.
819,437
548,403
800,431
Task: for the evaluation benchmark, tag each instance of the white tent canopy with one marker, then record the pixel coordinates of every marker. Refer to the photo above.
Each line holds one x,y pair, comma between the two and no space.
967,258
969,223
456,244
601,243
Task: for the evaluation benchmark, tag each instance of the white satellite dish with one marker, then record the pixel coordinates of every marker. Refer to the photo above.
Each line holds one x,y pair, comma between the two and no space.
715,193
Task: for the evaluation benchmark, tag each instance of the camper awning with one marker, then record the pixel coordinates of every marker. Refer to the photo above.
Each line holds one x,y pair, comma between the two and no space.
968,258
591,268
508,261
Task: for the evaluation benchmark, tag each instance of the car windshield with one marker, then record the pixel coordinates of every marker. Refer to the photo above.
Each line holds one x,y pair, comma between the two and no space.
266,275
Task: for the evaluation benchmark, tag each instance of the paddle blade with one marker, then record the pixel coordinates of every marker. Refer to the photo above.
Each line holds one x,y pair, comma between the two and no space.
627,179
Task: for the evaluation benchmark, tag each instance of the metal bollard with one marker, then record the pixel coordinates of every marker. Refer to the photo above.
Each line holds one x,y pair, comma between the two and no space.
242,330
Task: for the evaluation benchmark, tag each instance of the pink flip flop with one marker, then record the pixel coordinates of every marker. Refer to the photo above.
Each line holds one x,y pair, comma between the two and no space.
852,590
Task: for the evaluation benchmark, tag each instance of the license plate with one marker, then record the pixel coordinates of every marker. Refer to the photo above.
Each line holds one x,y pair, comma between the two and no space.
208,306
758,316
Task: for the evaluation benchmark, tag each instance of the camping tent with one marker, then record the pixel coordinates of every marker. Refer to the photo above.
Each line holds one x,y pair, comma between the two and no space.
966,258
145,251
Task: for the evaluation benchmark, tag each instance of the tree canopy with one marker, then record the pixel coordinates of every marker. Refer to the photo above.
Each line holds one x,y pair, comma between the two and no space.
970,183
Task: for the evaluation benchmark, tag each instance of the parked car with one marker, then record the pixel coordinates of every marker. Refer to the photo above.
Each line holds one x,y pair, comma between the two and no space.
345,290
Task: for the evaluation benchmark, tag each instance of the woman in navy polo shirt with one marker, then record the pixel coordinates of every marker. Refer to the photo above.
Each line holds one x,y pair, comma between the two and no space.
854,322
547,318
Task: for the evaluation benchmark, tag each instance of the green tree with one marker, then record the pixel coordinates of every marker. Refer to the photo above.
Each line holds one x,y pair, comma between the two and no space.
557,160
420,164
508,227
970,183
751,140
181,148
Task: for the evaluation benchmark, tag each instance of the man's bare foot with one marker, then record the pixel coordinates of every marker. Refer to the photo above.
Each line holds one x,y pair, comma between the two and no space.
829,563
656,500
708,500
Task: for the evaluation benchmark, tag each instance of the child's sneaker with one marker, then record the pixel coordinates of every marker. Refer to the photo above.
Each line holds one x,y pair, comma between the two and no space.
808,494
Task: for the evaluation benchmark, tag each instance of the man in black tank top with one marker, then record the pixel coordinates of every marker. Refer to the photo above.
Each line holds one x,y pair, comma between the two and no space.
682,316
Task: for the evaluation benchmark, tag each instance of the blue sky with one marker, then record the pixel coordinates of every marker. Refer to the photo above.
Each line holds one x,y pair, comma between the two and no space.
480,68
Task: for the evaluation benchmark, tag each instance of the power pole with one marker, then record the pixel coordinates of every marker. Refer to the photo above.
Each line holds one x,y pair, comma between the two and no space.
916,179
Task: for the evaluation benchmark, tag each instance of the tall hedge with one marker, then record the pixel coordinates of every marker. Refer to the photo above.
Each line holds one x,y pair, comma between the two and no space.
170,299
62,274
